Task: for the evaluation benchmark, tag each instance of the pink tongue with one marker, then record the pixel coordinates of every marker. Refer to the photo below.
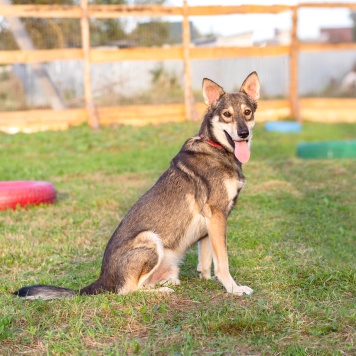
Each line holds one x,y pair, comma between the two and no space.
242,151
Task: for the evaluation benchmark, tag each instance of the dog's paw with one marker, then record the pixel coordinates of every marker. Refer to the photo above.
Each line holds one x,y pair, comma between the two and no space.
164,290
204,274
157,290
170,282
241,290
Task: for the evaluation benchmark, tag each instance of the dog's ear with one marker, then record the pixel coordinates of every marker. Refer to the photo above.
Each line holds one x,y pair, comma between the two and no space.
211,91
251,86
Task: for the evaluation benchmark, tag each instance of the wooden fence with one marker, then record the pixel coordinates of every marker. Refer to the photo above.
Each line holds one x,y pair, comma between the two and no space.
320,109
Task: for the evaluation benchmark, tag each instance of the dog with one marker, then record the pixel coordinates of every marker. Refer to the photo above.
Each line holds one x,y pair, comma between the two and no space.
189,204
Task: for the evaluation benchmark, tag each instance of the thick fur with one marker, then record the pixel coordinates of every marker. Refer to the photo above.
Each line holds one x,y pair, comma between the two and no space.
189,203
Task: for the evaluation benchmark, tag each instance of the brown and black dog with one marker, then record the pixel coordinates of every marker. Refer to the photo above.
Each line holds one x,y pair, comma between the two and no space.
189,203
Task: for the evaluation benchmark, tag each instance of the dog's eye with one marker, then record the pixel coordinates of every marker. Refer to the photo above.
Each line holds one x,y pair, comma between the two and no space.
247,112
227,113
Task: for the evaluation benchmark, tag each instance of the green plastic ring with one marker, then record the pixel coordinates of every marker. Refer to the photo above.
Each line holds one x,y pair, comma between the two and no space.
327,150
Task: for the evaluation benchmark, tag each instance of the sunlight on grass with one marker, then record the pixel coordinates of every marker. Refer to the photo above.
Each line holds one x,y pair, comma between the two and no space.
291,238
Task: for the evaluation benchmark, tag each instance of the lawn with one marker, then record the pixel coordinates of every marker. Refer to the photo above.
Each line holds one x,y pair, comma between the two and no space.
291,238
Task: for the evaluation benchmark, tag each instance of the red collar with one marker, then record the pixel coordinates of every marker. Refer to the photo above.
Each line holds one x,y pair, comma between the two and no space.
212,143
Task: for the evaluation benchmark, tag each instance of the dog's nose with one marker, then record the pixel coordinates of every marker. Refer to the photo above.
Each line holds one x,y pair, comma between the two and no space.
243,133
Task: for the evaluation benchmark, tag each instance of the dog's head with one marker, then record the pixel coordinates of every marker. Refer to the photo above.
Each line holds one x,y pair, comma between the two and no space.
230,116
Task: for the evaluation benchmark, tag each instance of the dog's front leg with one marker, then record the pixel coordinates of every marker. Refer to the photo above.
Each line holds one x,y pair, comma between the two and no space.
205,258
216,225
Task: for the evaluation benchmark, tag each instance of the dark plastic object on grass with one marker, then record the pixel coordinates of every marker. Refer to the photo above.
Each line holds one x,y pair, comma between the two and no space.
283,126
25,192
327,150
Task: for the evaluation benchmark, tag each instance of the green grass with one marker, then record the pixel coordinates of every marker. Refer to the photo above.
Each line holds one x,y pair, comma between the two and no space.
291,238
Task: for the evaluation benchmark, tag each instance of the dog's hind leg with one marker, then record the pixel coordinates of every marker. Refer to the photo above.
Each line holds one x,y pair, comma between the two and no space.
140,261
205,258
167,274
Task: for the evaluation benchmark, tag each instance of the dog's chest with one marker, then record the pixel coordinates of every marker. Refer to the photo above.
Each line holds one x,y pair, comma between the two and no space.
233,187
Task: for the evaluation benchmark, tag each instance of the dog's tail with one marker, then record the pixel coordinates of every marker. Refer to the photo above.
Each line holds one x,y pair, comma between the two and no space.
52,292
45,292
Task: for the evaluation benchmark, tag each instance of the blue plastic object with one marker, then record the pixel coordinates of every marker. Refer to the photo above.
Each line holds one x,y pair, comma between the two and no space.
283,126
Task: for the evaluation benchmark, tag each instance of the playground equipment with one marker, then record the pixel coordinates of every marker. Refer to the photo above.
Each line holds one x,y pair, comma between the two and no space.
23,193
283,126
332,149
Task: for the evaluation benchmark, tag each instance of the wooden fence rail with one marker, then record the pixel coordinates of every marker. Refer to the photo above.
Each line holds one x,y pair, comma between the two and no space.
312,109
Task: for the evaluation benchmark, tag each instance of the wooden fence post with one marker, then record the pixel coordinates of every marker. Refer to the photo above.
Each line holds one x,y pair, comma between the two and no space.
293,67
93,119
190,109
